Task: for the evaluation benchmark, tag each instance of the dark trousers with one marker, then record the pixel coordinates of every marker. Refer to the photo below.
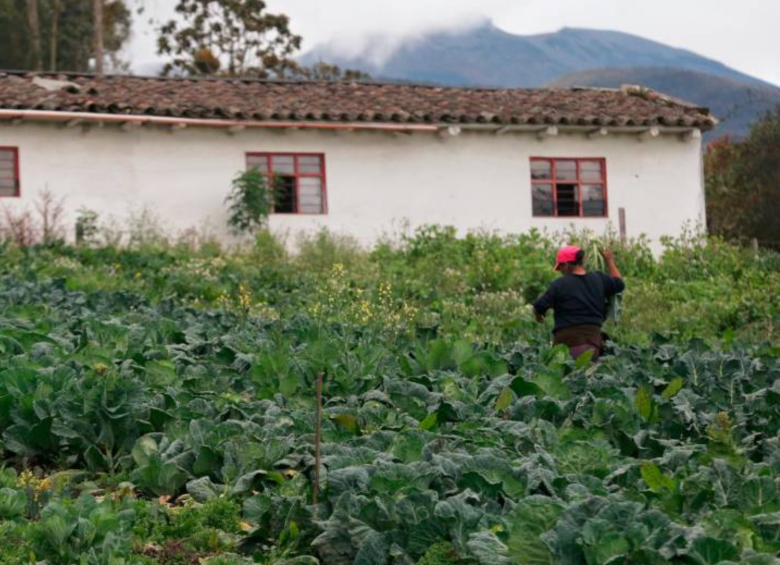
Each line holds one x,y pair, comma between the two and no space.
580,339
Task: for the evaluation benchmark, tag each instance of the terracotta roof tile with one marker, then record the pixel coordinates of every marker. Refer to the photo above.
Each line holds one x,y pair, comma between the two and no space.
246,99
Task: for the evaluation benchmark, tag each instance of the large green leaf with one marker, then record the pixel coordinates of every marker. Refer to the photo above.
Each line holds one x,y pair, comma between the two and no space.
347,422
12,503
643,402
602,543
202,489
143,450
655,479
674,386
711,551
504,399
372,548
521,543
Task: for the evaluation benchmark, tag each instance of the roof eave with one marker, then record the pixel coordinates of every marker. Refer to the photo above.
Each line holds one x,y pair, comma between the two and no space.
92,117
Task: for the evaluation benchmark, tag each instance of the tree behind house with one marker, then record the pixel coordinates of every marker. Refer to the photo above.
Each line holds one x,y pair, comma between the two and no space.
63,40
237,38
743,184
228,37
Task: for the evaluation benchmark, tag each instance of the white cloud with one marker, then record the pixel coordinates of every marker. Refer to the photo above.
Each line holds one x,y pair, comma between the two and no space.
380,26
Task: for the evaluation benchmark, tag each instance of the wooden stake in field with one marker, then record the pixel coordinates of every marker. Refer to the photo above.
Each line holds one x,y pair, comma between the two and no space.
317,440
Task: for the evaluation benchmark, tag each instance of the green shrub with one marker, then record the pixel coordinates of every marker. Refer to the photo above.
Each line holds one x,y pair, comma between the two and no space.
250,201
318,252
201,528
267,249
443,553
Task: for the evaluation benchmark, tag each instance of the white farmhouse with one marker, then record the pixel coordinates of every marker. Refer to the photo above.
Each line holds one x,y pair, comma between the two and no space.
357,158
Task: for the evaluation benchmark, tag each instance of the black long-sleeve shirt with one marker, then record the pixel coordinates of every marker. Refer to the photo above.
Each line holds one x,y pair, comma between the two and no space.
579,299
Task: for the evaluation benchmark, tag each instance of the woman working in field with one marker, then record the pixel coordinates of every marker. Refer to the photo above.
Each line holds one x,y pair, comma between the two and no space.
578,299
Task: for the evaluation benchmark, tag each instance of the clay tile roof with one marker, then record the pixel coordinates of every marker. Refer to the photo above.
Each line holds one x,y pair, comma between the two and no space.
247,99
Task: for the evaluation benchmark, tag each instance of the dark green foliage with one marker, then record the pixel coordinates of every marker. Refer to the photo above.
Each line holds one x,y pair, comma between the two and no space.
742,180
86,226
441,553
66,32
250,201
176,395
199,529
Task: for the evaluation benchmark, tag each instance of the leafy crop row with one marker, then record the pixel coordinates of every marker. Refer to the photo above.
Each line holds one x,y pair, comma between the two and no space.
153,417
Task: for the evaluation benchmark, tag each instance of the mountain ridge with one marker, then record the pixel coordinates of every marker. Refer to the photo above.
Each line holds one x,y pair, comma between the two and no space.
486,55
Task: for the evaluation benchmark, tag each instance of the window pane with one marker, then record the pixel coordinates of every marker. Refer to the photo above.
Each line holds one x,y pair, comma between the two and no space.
310,164
7,187
310,186
591,170
566,170
568,202
284,195
313,206
541,170
283,164
259,162
310,190
590,176
590,166
542,198
7,174
593,200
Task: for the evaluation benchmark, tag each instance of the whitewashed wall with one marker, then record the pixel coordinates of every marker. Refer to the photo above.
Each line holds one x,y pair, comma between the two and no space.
376,181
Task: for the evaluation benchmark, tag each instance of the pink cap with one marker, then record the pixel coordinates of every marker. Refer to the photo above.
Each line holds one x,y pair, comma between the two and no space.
566,254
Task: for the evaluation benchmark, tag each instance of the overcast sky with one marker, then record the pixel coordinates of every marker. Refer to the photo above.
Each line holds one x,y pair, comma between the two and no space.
740,33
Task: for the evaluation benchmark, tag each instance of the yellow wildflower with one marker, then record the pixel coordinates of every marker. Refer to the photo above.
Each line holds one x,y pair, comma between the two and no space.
24,479
244,297
27,480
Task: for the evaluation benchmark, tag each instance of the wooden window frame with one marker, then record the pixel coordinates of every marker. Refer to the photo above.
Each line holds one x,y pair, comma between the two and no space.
579,182
17,178
297,174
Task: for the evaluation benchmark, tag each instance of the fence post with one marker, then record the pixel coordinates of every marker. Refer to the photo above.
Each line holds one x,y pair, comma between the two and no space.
622,222
754,246
317,441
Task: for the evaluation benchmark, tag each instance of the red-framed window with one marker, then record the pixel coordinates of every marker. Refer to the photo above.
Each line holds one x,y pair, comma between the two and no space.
569,187
298,180
9,172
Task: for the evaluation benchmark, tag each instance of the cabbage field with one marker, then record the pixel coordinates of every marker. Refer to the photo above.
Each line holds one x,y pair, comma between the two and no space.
158,406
